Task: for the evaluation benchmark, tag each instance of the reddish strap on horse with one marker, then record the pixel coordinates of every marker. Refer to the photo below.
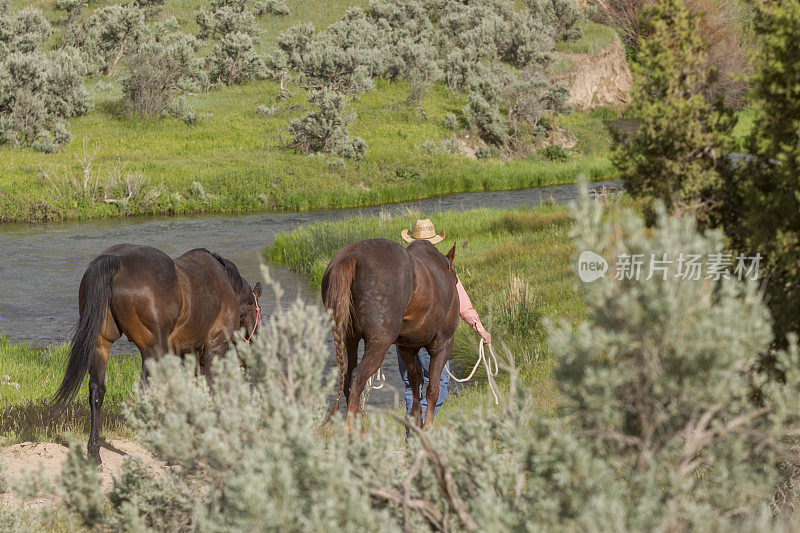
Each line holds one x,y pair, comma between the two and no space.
258,320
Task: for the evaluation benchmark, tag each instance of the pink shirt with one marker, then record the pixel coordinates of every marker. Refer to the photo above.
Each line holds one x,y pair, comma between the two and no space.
466,310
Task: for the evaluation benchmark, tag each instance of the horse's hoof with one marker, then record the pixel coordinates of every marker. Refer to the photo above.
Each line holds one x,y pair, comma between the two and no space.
94,456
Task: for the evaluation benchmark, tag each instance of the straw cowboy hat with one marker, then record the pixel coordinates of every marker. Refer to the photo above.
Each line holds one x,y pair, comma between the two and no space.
423,230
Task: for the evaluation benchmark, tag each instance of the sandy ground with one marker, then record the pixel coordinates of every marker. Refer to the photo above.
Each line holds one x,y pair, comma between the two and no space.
47,457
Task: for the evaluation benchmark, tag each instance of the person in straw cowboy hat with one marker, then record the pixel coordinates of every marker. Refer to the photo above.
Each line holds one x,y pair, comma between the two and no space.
424,230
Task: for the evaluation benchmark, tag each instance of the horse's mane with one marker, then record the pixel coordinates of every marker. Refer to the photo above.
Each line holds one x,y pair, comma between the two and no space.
238,282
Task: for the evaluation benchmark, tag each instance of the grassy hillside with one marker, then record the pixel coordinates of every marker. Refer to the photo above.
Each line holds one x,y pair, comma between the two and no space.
236,160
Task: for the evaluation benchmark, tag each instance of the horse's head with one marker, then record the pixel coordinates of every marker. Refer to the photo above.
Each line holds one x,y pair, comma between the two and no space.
250,311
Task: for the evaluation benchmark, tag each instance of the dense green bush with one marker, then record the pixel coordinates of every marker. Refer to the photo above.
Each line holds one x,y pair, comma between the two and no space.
760,208
673,155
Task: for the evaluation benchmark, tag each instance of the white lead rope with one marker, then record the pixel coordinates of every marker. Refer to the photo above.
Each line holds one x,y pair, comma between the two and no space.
380,378
489,374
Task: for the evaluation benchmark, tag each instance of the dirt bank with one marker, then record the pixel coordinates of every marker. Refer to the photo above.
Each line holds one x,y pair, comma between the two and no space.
600,79
29,458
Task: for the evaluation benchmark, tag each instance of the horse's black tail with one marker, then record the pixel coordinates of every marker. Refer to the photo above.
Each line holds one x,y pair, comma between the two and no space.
338,299
96,285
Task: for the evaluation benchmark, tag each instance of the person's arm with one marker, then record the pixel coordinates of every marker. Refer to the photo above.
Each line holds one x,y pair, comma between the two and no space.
469,314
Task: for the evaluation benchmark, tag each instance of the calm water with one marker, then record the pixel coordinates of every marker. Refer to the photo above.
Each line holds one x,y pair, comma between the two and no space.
41,265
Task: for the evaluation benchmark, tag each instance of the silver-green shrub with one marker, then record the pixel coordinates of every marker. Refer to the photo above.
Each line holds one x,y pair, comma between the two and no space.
21,31
151,8
343,58
38,92
272,7
563,16
224,17
159,70
658,388
108,34
325,130
234,60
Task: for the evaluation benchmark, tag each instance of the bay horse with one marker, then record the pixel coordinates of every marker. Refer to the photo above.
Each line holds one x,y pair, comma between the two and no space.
386,294
192,304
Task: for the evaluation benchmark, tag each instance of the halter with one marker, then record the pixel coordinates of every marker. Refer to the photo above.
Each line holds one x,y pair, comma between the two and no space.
258,320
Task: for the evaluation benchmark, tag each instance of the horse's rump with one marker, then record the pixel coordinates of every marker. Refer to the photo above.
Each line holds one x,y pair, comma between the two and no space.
383,293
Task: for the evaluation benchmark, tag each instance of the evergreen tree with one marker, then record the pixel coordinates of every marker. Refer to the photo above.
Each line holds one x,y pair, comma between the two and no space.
673,154
761,208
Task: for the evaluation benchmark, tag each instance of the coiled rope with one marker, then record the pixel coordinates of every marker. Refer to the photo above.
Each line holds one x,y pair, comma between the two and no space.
378,380
487,365
379,377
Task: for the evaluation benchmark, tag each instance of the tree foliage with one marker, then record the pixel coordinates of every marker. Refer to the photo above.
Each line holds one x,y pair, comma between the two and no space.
761,207
674,153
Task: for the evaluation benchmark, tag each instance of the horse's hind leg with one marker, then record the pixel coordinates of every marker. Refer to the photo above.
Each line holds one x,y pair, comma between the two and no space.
409,358
374,353
440,353
352,361
97,391
152,345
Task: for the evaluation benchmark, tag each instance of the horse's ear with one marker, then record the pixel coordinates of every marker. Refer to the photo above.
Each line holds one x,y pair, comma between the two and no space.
257,290
452,253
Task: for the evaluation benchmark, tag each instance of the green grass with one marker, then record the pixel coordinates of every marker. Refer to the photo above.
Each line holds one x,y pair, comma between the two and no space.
242,164
34,376
515,265
595,37
240,158
321,14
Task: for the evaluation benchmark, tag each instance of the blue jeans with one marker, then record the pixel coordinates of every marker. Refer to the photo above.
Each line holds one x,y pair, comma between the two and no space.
423,360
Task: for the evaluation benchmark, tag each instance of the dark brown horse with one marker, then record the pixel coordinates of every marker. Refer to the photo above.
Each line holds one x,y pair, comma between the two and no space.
385,294
193,304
